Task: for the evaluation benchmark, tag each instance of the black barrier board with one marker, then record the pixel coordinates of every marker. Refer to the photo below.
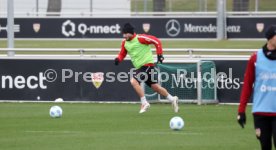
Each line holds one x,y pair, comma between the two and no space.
68,79
71,80
251,27
104,28
230,76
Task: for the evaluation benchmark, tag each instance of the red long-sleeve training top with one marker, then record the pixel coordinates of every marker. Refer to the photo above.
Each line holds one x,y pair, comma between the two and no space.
143,39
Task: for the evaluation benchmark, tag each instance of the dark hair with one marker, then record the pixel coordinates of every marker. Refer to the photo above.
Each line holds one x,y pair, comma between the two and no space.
128,28
270,32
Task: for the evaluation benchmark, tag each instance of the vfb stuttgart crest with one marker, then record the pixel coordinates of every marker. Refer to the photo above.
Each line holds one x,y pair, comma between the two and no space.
260,27
36,27
97,79
146,27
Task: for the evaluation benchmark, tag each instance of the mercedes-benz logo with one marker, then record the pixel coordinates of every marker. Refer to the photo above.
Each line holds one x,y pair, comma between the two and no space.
173,27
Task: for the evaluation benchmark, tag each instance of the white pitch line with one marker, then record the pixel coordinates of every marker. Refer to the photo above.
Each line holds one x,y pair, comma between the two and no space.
181,132
65,132
172,132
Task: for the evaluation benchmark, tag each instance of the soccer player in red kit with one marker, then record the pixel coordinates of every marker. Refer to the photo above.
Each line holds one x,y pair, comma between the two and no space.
137,46
260,80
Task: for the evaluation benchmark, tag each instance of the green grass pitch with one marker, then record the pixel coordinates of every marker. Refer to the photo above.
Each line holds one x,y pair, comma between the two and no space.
91,126
185,44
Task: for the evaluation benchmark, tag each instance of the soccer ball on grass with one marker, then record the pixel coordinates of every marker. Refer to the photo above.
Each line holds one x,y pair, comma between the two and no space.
55,111
176,123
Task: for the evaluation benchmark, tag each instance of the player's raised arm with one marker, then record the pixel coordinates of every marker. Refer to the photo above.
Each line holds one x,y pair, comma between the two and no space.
122,54
150,39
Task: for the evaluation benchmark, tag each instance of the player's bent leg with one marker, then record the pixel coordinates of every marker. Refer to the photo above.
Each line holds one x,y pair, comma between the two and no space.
137,87
139,90
174,99
159,89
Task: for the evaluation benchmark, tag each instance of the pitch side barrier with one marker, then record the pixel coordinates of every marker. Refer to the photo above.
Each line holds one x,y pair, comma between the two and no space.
191,52
83,77
165,27
133,14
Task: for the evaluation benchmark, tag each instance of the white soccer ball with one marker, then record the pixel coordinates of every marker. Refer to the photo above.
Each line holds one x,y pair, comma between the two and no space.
55,112
176,123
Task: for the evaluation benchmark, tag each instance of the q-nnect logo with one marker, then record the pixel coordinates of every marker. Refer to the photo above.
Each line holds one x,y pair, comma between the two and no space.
173,27
16,28
70,28
22,82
